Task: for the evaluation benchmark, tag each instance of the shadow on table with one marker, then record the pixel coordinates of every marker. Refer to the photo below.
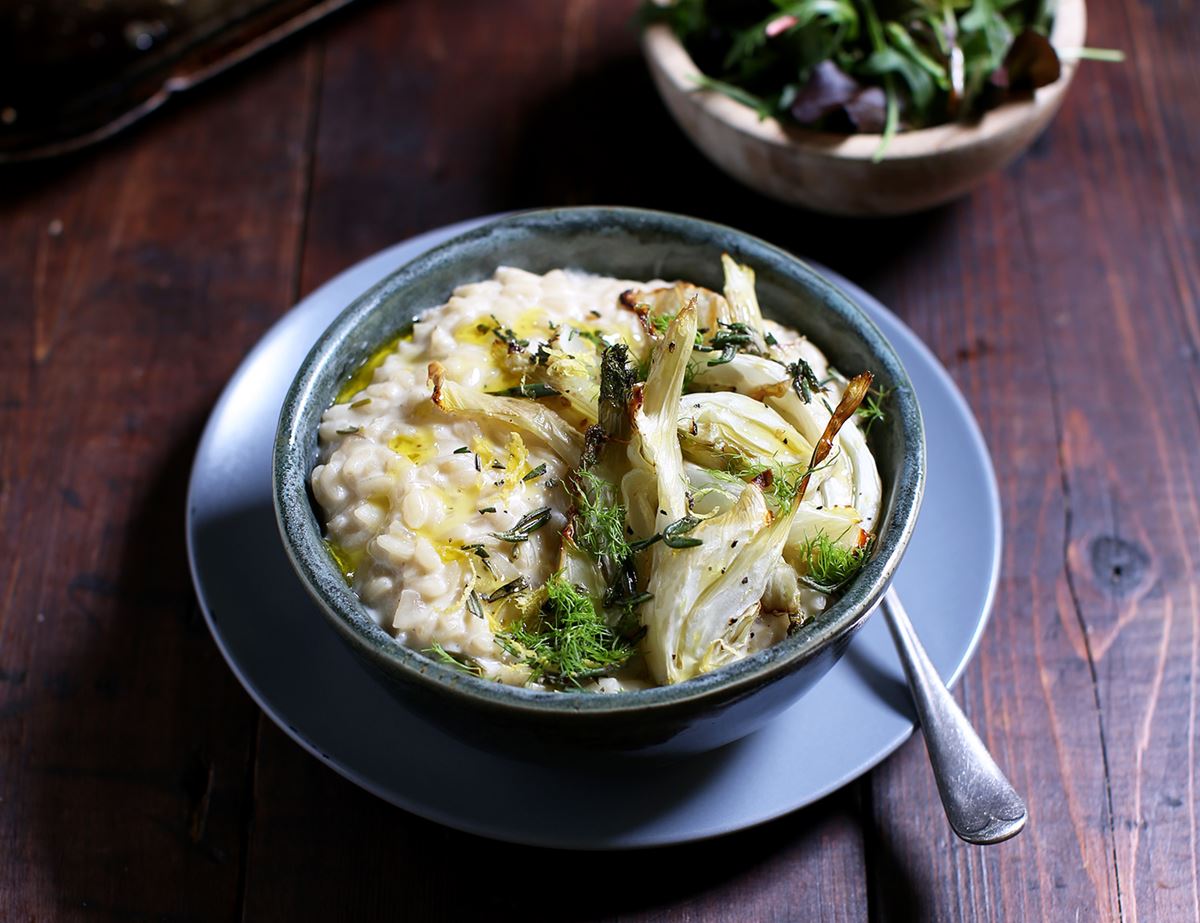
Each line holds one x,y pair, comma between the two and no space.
608,139
373,862
137,741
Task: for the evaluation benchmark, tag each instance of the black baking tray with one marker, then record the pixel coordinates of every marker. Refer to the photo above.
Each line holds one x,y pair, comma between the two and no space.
75,71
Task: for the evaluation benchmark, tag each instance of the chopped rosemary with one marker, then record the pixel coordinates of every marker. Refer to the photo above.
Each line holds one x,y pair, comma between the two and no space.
462,450
360,403
505,335
673,536
513,586
525,526
532,390
643,543
349,430
474,606
487,509
728,339
535,473
804,379
593,336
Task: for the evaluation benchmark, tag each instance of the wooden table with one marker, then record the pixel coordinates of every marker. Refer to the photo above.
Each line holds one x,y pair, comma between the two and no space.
138,780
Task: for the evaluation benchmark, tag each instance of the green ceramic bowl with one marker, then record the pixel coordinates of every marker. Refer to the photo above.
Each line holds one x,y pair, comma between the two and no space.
701,713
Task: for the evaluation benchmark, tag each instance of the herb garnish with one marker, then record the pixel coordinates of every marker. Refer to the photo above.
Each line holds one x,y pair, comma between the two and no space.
349,430
729,338
513,586
462,450
674,536
778,481
827,565
804,379
534,390
569,642
600,523
505,335
362,402
616,383
593,336
526,526
458,661
871,409
599,529
536,473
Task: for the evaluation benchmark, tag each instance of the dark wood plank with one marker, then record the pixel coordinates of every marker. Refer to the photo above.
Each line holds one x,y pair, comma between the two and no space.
1062,295
1029,692
1077,333
132,282
379,863
1124,380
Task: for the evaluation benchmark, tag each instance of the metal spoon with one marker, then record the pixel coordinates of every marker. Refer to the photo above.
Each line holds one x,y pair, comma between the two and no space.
980,803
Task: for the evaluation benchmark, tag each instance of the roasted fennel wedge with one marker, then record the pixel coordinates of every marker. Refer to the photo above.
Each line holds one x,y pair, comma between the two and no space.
714,487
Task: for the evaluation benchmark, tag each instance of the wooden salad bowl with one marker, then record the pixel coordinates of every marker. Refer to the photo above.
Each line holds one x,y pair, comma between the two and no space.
837,173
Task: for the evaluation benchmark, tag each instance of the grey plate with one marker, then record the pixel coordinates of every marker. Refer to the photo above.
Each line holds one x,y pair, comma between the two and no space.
292,663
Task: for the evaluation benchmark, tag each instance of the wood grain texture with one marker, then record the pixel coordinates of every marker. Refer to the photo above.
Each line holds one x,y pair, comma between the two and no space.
138,780
132,284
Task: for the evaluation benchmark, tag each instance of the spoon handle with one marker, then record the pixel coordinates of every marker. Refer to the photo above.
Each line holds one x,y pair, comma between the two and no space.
980,803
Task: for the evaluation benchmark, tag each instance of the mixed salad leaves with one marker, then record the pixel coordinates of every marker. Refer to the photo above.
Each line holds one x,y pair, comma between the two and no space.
872,66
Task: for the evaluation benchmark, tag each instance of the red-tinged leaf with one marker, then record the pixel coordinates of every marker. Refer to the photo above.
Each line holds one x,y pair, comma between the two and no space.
1031,62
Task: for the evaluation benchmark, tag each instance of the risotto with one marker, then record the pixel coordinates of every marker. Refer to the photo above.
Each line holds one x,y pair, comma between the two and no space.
568,481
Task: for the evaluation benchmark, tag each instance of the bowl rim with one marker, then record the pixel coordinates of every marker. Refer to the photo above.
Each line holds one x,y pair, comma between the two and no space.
665,52
300,529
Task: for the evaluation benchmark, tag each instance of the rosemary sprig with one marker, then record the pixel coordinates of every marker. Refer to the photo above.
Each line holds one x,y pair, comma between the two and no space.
535,473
